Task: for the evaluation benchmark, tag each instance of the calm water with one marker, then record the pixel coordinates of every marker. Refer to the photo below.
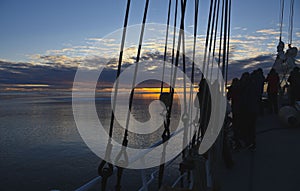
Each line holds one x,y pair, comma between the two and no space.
41,149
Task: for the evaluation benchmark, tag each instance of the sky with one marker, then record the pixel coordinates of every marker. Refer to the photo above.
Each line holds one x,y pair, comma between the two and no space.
60,31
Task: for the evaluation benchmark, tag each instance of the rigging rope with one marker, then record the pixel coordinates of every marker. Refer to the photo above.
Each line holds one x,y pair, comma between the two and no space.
290,33
211,36
228,40
280,59
183,7
105,169
281,18
207,36
225,38
191,98
185,114
180,39
166,133
174,40
135,71
166,47
204,90
221,34
125,140
202,98
189,116
215,37
119,67
195,39
163,98
285,59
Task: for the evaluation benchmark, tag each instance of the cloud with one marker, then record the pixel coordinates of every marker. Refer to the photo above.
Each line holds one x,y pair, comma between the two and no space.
96,52
58,76
268,32
27,73
240,28
104,40
61,60
238,67
249,37
58,67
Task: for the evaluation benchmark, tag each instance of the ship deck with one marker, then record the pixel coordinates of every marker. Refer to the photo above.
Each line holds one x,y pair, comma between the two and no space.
273,166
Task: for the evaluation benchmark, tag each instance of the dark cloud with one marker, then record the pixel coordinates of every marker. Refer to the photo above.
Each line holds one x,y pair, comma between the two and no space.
26,73
62,76
236,68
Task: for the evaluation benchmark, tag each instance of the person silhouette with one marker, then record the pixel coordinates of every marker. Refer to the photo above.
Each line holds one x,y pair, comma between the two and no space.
233,95
260,85
204,101
294,80
272,90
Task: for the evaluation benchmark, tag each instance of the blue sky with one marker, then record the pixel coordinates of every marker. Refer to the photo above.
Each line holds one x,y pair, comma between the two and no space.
34,26
58,31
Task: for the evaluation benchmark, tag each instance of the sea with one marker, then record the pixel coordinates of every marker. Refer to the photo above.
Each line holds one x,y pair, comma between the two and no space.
41,148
